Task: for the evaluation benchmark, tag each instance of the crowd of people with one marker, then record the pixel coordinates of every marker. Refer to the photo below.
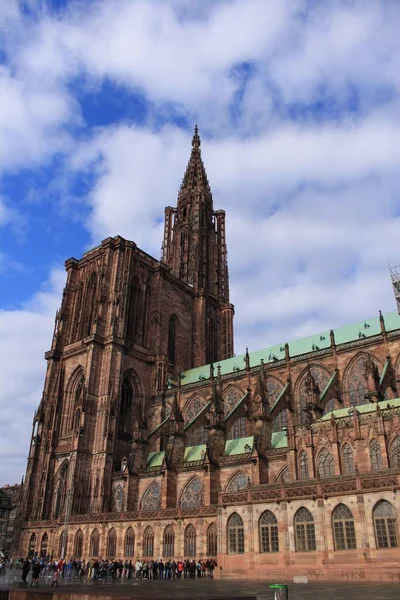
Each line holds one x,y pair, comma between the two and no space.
110,570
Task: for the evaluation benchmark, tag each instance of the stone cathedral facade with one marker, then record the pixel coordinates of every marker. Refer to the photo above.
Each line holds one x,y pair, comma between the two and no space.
152,439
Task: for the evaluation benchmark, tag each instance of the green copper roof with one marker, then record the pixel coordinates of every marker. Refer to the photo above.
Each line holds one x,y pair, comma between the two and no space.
237,446
362,409
279,439
155,459
194,453
319,341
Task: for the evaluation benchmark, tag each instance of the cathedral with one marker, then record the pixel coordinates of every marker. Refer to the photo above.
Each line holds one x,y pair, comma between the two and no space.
153,439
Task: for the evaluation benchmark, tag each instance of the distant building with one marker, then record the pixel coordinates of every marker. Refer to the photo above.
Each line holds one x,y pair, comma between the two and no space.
152,439
5,510
14,493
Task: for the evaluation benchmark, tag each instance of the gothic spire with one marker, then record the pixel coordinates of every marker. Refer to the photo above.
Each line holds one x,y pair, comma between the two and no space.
195,177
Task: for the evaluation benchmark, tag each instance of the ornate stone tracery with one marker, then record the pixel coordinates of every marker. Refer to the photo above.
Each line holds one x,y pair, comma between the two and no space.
152,497
192,495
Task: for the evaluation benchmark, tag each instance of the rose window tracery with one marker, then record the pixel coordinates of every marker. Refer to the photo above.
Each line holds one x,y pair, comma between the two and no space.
231,399
152,497
238,483
192,496
274,388
356,384
195,406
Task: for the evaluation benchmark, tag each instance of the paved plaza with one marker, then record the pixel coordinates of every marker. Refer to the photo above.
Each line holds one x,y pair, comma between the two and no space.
189,589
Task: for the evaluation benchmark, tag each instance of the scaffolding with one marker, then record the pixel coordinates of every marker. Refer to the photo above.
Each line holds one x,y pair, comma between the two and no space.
395,277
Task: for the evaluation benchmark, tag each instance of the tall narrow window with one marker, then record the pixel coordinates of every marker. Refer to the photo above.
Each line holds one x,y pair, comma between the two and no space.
131,309
304,531
212,342
395,453
90,302
375,455
32,546
235,534
125,412
385,523
148,542
212,540
111,543
268,532
172,339
63,545
169,542
60,491
238,429
129,543
44,545
280,421
344,533
347,460
303,465
76,321
94,544
78,545
190,541
325,464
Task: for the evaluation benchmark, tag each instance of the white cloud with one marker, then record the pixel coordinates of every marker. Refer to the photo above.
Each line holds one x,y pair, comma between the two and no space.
25,334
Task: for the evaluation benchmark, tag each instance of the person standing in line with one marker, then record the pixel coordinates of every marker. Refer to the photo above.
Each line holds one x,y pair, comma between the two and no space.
26,567
56,575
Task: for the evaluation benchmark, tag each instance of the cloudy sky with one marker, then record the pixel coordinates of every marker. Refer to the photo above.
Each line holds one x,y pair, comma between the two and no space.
298,107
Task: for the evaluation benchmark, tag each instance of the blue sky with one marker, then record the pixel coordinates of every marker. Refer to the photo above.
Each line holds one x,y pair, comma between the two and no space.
298,108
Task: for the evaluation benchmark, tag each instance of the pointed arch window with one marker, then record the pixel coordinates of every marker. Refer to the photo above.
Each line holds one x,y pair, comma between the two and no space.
197,437
60,491
238,429
375,455
129,543
304,531
125,422
169,542
193,408
172,339
239,482
78,545
325,464
347,460
192,496
395,453
344,533
94,544
385,523
269,541
235,534
321,378
148,543
356,384
152,497
44,545
111,543
232,399
63,545
280,421
190,541
303,465
212,540
32,546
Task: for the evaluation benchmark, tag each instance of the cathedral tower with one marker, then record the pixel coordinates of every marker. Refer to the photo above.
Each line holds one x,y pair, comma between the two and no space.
194,248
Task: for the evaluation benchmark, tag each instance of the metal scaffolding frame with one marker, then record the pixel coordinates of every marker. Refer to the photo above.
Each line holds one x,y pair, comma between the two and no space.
395,277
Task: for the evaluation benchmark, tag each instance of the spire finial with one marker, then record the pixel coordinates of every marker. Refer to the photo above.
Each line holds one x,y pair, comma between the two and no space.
196,138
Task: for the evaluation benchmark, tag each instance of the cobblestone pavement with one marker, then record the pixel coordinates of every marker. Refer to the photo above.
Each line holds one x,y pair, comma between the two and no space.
193,589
